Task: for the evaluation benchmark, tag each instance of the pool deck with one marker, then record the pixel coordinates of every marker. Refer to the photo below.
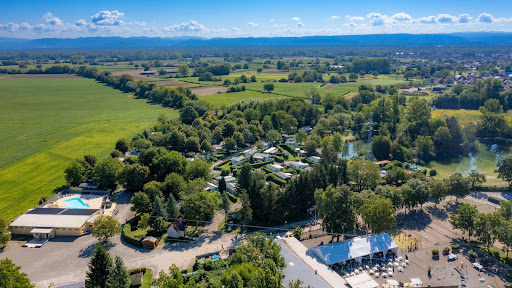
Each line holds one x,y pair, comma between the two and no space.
93,201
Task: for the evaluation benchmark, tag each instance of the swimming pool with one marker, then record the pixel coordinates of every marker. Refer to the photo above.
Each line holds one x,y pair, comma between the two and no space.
76,203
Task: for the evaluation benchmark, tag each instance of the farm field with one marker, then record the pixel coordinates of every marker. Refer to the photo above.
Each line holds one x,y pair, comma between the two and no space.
46,122
226,99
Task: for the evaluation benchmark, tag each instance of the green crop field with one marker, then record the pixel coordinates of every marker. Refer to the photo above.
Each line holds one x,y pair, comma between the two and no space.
46,122
226,99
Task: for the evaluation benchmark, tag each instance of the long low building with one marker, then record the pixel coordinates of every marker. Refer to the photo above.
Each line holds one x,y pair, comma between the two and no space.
354,249
45,223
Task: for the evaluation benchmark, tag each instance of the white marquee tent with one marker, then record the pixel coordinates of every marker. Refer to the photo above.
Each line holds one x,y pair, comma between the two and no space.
354,249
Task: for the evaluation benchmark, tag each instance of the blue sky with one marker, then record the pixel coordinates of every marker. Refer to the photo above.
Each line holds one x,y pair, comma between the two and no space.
70,19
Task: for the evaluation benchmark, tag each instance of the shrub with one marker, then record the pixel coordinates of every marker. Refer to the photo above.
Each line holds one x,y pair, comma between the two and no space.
128,236
472,254
446,250
433,172
456,247
435,252
494,200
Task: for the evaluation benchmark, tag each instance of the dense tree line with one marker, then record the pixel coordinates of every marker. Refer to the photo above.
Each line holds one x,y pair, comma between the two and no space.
368,65
173,98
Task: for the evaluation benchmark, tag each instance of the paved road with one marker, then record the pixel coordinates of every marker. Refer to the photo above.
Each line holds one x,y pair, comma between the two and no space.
64,259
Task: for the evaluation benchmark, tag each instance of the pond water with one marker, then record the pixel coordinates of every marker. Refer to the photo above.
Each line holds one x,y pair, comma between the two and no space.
484,160
354,148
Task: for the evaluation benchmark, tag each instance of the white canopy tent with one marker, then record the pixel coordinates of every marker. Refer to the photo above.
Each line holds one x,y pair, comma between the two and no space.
354,249
362,280
416,281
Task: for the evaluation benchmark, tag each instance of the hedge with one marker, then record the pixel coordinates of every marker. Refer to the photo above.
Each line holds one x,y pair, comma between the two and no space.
218,166
494,200
289,148
275,179
129,237
278,159
261,164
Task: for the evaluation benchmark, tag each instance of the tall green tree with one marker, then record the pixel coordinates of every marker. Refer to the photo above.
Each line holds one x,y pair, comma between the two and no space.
123,145
246,210
458,185
485,228
465,219
158,209
5,236
377,213
183,70
476,178
11,277
133,177
172,208
269,87
75,173
104,173
438,190
199,206
105,227
504,234
505,210
118,276
99,268
365,174
336,209
226,203
141,203
505,169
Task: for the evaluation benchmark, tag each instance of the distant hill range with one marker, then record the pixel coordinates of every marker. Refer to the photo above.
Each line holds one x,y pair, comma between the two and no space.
455,39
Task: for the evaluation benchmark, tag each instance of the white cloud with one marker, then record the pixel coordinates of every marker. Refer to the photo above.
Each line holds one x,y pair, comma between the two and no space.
295,19
377,22
464,18
335,17
374,15
52,20
446,18
235,29
108,18
9,27
402,16
142,23
252,24
485,18
377,19
426,20
300,24
25,26
354,18
190,26
271,20
81,23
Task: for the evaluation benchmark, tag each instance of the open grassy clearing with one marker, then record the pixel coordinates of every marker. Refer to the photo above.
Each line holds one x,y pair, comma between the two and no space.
45,123
226,99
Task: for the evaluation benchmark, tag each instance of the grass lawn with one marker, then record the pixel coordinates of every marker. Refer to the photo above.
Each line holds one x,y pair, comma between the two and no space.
147,279
226,99
47,122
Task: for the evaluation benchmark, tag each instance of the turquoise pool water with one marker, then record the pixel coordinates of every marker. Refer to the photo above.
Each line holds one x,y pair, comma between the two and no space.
76,203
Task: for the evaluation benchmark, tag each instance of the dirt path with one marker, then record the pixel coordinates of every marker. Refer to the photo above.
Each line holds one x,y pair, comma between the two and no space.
210,90
331,86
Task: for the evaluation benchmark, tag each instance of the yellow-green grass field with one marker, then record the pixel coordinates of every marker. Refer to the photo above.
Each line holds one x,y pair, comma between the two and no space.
226,99
47,122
